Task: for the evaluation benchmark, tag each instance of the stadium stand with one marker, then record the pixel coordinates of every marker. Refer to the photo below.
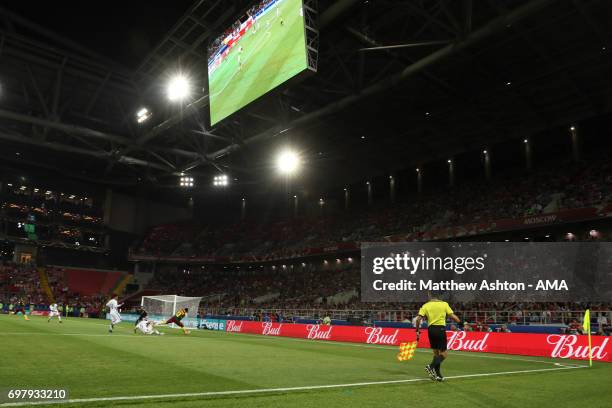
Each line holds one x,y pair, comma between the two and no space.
79,290
583,189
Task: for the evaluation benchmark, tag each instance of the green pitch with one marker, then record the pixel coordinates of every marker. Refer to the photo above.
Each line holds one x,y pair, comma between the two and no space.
271,54
82,356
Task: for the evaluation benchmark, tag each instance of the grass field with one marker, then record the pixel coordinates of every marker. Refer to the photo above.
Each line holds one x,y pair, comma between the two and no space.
271,54
223,369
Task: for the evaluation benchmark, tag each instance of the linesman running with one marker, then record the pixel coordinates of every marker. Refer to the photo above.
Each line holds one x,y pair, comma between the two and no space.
435,311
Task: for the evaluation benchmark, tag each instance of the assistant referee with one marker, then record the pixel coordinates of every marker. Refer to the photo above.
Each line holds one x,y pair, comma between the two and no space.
435,311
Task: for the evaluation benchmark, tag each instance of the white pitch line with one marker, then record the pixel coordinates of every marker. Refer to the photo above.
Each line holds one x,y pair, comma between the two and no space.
272,390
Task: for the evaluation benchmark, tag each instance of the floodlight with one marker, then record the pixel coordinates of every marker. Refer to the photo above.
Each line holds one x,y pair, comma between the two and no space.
142,115
186,181
178,88
288,162
221,180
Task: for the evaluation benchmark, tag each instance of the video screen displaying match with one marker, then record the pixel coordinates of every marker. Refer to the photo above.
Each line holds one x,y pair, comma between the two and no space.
259,52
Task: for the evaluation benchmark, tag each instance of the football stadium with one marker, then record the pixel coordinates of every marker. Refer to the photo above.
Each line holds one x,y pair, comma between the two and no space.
302,203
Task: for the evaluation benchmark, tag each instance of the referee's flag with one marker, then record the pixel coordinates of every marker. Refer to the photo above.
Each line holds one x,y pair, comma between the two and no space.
586,326
406,351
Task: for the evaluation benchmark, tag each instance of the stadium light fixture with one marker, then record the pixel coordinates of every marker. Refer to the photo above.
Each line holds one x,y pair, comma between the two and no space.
525,141
142,115
186,181
572,128
178,88
221,180
288,162
484,152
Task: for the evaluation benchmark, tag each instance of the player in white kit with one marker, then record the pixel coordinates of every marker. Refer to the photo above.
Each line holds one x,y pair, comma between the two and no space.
53,311
146,326
113,307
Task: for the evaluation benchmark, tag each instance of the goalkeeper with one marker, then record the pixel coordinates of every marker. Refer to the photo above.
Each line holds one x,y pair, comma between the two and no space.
176,319
435,311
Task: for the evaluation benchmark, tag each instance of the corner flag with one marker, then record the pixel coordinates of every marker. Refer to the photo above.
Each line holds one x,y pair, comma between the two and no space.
406,351
586,326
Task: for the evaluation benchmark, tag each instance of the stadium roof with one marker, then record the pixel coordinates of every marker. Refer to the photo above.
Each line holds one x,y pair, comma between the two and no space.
464,75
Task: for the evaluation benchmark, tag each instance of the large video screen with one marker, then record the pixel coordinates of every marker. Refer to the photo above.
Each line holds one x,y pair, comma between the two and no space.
259,52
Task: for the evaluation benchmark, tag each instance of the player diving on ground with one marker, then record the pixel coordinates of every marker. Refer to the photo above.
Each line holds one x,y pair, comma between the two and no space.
146,326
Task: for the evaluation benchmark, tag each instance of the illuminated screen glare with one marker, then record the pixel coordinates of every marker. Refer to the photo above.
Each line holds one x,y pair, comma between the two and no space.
259,52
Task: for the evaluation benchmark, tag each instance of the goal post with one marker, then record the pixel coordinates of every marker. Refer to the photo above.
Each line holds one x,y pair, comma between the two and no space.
165,306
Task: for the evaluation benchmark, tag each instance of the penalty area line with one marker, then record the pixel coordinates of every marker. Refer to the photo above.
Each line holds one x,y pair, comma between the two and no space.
273,390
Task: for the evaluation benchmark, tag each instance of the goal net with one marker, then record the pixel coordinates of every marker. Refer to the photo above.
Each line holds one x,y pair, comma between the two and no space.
167,305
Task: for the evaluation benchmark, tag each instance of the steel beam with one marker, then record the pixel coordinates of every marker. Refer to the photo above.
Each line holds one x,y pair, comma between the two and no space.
78,150
70,129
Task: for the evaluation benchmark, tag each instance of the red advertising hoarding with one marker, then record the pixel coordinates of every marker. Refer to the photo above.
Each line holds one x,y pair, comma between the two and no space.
527,344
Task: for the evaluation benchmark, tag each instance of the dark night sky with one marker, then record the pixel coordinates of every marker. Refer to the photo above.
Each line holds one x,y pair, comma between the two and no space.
124,31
